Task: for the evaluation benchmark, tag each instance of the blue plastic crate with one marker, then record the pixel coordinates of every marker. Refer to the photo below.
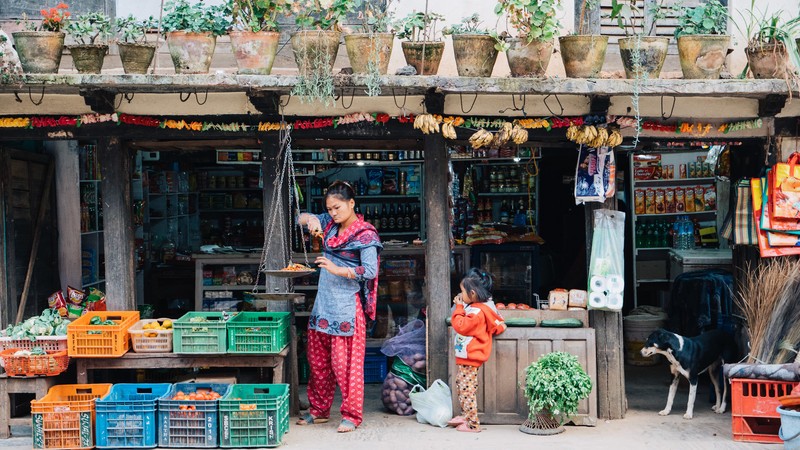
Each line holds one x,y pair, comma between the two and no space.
375,366
126,417
196,424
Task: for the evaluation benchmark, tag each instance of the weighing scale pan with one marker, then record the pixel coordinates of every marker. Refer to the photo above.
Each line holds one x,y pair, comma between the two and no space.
289,273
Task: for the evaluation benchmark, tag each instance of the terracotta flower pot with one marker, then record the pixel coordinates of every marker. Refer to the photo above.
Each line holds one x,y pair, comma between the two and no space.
703,55
136,58
583,55
39,51
651,51
254,51
767,61
312,48
363,48
191,52
424,56
529,59
88,58
475,54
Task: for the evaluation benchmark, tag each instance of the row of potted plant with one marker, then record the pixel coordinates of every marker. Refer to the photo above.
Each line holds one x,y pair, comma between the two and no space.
253,26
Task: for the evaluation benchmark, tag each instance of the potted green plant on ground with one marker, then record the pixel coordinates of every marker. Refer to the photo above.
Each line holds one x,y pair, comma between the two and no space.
555,384
537,26
583,53
770,42
423,47
90,32
473,46
702,39
40,46
192,30
642,55
370,48
255,35
135,52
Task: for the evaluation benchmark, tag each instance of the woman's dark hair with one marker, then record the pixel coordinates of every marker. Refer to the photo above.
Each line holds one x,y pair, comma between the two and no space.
342,190
480,282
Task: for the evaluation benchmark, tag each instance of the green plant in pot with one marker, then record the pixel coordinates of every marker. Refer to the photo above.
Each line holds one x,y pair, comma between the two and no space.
771,42
537,26
474,47
316,45
135,52
703,41
255,33
369,48
423,47
555,384
583,53
192,30
40,44
90,32
642,54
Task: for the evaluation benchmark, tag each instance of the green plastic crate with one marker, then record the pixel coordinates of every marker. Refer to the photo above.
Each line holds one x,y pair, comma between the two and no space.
254,415
200,338
258,332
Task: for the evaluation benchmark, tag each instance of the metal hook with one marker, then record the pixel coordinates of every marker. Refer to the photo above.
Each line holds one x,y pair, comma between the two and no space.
405,99
126,96
41,99
559,105
352,99
663,116
184,100
197,99
461,97
16,96
514,106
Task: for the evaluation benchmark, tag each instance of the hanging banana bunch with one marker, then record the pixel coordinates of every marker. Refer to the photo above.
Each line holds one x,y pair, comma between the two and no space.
519,135
600,139
594,136
449,131
614,139
426,123
481,138
504,134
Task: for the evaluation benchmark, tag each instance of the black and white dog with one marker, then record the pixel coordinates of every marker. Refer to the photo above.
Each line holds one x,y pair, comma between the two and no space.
690,357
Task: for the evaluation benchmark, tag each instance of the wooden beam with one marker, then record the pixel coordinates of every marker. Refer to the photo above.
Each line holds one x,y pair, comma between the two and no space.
437,255
116,162
65,155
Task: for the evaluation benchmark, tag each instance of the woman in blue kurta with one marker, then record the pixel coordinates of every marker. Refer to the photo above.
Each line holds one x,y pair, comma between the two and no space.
347,293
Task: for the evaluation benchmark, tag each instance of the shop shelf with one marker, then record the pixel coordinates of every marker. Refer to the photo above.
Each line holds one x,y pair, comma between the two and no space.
200,337
257,332
64,418
190,423
150,341
375,366
754,406
100,341
52,364
254,415
47,343
126,417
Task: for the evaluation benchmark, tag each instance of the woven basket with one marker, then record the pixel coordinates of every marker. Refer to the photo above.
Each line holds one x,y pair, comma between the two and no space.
543,424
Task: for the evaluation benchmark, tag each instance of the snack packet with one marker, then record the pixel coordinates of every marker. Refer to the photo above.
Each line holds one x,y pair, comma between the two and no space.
56,301
75,296
75,311
96,301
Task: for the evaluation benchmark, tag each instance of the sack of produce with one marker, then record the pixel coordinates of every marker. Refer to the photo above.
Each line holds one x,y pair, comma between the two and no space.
397,386
408,345
434,406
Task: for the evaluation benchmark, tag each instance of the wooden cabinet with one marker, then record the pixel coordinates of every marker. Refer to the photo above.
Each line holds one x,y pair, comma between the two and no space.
500,395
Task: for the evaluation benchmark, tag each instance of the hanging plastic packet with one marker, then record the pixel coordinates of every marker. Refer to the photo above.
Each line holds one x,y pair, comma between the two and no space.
57,301
96,301
607,264
595,175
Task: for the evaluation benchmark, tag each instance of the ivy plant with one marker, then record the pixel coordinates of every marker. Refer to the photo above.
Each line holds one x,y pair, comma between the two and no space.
710,17
419,27
180,15
555,384
131,30
258,15
534,20
89,29
326,15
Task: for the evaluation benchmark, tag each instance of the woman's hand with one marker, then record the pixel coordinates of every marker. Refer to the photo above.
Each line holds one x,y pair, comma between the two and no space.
327,264
312,222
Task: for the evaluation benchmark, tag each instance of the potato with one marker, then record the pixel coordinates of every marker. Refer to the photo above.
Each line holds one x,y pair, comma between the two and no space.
393,396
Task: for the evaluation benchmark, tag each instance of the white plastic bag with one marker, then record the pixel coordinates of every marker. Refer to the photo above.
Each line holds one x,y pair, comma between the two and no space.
434,406
607,266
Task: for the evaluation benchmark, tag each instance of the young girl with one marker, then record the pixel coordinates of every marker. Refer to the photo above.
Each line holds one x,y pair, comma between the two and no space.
475,320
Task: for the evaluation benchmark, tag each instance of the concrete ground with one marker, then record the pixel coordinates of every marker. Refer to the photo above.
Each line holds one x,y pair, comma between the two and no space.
642,427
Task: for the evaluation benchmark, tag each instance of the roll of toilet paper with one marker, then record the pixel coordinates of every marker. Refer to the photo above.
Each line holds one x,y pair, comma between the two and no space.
597,300
614,301
615,284
597,284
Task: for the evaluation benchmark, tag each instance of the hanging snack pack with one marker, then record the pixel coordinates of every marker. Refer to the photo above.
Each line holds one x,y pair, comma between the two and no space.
57,301
595,175
75,298
607,267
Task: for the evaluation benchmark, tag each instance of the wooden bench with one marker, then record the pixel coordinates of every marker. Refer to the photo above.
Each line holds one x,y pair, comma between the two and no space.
33,385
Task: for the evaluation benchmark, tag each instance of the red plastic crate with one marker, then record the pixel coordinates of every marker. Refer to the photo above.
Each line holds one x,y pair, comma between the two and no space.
754,406
49,365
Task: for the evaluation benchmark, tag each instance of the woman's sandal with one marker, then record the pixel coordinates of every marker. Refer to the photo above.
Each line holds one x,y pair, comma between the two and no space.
346,426
465,427
308,419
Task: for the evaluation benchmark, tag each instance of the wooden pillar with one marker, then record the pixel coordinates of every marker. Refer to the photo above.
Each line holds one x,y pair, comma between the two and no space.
279,247
116,163
591,17
437,255
611,400
68,210
6,305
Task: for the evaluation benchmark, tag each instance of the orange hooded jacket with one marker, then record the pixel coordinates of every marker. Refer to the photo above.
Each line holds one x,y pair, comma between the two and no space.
475,325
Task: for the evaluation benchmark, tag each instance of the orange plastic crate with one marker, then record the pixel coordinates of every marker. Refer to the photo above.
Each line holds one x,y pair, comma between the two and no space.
49,365
754,406
64,418
100,341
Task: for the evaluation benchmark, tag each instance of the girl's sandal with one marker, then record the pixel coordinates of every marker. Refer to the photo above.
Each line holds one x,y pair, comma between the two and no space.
456,421
308,419
465,427
346,426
